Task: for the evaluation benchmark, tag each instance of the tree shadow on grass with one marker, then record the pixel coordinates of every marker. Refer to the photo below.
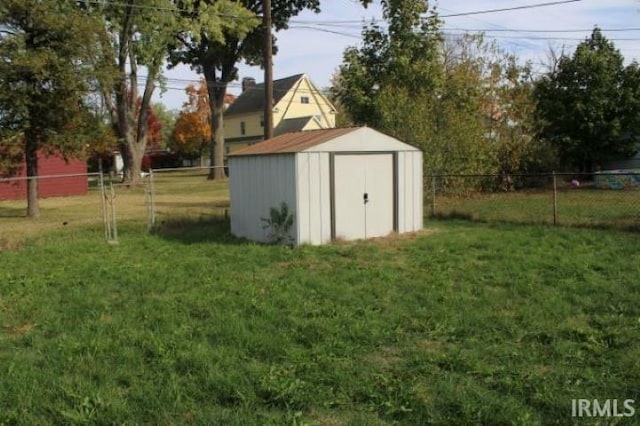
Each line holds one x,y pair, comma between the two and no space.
12,212
614,225
190,204
203,230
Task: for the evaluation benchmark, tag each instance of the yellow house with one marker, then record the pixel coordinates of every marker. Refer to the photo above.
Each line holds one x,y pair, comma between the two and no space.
298,105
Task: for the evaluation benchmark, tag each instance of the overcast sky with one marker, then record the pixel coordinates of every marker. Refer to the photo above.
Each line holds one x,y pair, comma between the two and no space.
317,51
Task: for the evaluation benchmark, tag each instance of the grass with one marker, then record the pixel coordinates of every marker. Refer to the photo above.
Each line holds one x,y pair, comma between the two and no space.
178,195
583,207
463,324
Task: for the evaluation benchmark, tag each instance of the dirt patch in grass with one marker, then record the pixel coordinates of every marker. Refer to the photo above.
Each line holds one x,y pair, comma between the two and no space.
7,244
19,330
390,241
384,357
430,345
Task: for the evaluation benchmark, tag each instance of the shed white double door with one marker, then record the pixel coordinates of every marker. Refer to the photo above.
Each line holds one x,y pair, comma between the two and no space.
363,195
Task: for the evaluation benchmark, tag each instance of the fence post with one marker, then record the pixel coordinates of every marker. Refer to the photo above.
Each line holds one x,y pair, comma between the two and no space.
433,195
114,228
555,199
103,195
151,200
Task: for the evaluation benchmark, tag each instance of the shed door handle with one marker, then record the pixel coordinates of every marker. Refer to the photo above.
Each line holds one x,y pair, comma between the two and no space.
366,197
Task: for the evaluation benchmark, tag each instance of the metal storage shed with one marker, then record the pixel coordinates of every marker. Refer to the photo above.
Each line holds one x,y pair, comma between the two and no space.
346,183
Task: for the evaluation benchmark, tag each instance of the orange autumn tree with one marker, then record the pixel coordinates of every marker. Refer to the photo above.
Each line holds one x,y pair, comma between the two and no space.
192,131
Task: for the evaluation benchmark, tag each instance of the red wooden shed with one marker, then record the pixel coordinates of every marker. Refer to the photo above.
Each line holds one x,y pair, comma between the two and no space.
58,178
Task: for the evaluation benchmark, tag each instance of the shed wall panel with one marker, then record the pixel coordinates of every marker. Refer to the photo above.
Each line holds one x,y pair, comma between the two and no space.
313,210
418,191
325,196
259,183
403,209
409,191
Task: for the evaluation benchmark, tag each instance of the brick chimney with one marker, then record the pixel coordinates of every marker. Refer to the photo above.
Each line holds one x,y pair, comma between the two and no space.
248,82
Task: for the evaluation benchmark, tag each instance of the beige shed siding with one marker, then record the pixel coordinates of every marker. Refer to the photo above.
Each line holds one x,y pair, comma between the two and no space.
314,198
258,183
409,191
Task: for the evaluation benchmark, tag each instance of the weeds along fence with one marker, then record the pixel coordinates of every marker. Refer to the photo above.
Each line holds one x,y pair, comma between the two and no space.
162,196
602,199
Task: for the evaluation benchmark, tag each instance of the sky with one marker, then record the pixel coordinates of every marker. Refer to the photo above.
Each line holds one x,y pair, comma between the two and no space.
314,43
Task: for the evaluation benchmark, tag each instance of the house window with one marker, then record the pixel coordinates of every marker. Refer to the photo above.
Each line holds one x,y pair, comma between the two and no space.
304,99
243,128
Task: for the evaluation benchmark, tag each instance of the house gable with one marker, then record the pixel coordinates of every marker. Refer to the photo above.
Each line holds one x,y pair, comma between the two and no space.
305,100
252,100
298,105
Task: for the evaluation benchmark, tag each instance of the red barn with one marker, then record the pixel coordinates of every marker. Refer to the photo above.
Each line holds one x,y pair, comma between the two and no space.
58,179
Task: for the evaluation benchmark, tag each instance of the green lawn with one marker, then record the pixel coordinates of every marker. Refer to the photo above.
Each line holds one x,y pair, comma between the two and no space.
583,207
178,195
463,324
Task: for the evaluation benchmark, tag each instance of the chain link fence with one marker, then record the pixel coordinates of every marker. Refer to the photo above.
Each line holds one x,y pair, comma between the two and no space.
172,199
602,199
163,197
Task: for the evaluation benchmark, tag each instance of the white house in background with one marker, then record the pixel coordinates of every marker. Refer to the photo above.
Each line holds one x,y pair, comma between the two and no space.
345,183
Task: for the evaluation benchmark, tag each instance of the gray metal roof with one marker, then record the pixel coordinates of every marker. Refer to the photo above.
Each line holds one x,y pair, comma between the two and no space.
292,125
252,99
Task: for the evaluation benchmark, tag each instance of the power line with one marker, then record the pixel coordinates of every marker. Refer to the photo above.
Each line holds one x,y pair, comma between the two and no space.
543,31
524,45
134,6
324,30
150,7
452,15
506,9
555,38
469,30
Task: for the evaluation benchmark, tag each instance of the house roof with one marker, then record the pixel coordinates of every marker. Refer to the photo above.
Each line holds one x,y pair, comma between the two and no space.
292,125
252,99
293,142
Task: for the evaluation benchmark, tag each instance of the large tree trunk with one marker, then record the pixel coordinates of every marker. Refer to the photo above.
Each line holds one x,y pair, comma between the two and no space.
131,117
137,152
31,161
137,143
216,91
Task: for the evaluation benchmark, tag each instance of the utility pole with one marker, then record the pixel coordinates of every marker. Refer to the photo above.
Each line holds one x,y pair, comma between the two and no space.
268,70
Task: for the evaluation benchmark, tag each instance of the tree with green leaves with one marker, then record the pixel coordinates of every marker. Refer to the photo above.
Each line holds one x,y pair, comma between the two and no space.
136,35
167,118
46,51
463,100
588,106
216,36
408,83
402,56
